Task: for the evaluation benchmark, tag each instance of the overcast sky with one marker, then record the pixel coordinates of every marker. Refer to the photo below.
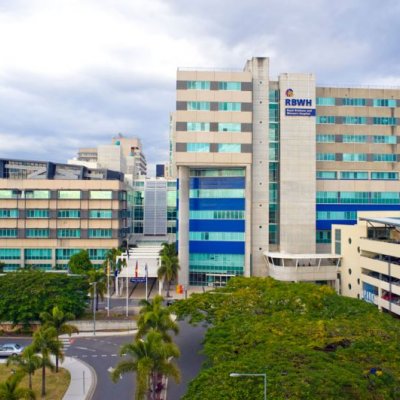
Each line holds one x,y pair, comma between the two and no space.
73,73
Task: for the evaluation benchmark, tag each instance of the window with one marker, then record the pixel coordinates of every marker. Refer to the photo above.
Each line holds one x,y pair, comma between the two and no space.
216,214
8,194
9,213
100,195
198,105
37,233
323,236
216,193
385,139
327,197
356,175
354,157
37,254
384,121
385,197
273,151
384,103
336,215
326,175
68,214
8,233
37,213
217,236
229,86
66,254
68,233
198,85
198,126
392,176
69,194
273,96
325,119
100,214
325,101
37,194
97,254
326,157
325,138
354,139
354,102
384,157
218,172
229,147
100,233
198,147
229,106
229,127
338,244
354,197
10,254
354,120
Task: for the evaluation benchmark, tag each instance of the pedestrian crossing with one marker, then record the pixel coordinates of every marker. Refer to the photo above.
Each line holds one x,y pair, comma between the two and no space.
66,342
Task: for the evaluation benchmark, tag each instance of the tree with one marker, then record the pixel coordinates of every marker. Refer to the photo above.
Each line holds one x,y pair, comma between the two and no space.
111,258
9,389
2,265
58,320
153,315
149,358
80,263
45,342
98,277
169,264
27,362
25,294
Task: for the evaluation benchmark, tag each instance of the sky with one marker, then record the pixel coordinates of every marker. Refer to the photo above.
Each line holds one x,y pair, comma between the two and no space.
74,73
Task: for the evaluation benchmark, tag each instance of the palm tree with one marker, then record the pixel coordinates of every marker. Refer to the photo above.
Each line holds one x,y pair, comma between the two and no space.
9,389
27,362
153,315
98,277
169,264
58,320
45,341
149,358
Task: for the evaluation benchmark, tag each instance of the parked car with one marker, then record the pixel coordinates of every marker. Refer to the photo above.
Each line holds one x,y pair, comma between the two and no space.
10,349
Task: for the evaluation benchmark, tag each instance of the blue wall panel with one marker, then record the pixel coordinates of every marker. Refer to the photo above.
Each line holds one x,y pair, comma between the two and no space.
196,246
217,183
217,204
215,225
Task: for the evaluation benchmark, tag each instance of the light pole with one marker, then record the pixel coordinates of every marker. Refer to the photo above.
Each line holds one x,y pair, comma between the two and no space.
94,307
236,375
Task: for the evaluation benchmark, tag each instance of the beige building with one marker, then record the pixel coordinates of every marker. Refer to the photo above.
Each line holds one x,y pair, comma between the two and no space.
370,266
48,212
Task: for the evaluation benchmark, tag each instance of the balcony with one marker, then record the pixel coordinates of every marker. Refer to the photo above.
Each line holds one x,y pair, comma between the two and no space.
302,267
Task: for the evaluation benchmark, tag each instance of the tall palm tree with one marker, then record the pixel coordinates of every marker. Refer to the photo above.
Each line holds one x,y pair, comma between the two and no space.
9,389
149,357
169,264
45,341
98,277
27,362
58,320
153,315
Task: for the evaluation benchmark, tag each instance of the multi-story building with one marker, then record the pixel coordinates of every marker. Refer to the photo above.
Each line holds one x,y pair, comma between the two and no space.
370,266
123,154
267,166
49,211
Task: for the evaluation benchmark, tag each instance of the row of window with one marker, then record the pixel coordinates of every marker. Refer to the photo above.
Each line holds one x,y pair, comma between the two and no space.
61,214
216,193
217,172
355,102
217,236
221,147
378,139
211,259
358,197
206,85
46,254
357,157
222,127
61,233
358,175
337,215
216,214
349,120
61,194
206,106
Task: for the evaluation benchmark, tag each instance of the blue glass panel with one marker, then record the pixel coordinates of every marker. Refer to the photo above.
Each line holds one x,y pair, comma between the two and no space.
217,204
217,183
216,225
216,247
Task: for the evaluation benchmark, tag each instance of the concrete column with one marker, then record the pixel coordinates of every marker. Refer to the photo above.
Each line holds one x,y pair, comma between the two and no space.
183,225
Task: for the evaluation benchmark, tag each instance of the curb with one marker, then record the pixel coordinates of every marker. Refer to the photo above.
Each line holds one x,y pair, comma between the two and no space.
94,381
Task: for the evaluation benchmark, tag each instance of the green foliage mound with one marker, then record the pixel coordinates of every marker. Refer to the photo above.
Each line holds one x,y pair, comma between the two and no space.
26,294
311,342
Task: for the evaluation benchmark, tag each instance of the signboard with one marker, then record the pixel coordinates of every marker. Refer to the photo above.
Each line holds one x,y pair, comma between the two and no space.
295,107
138,280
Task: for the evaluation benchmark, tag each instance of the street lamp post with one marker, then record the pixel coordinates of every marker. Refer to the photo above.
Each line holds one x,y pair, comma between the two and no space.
94,307
236,375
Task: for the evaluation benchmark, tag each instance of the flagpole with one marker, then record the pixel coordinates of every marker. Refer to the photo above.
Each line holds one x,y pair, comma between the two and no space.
146,272
108,288
127,289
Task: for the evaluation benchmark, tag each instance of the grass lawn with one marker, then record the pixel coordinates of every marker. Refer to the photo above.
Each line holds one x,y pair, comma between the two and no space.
56,384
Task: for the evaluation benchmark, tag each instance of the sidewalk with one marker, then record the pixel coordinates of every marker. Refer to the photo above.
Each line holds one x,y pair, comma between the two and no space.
83,379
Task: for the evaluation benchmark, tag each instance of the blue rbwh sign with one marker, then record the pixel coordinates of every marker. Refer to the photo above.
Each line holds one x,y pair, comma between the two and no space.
138,280
300,112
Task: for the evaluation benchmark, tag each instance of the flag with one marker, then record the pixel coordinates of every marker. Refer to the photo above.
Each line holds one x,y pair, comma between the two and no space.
136,269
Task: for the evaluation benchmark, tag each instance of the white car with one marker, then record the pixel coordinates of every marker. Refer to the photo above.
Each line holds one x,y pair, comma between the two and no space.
10,349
